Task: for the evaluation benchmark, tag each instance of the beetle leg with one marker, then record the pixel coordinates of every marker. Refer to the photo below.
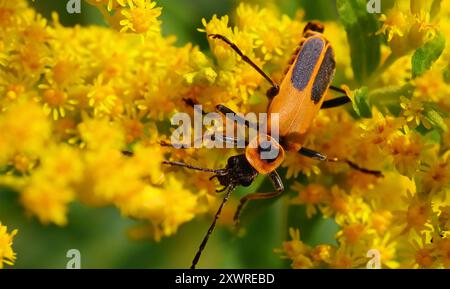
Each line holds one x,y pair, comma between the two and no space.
321,157
273,91
225,110
190,102
226,139
180,164
223,138
338,100
277,184
338,89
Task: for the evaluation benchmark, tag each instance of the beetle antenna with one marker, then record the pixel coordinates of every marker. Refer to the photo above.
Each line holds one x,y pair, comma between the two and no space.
127,153
180,164
364,170
211,228
354,166
321,157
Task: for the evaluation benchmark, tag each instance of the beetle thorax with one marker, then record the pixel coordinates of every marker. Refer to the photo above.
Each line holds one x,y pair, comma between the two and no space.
264,153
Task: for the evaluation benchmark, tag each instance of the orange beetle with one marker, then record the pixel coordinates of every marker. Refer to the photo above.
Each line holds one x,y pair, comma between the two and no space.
296,101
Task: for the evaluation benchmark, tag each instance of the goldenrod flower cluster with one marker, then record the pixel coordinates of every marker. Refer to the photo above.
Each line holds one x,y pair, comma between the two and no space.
7,256
72,99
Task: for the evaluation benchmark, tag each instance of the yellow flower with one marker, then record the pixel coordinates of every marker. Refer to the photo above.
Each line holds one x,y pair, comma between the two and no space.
417,214
342,259
299,164
388,250
443,250
382,196
101,134
67,70
321,253
102,97
412,111
407,29
272,33
381,129
311,195
420,253
31,58
142,17
105,177
360,183
12,13
381,221
63,161
47,200
296,250
149,160
56,102
14,88
407,151
23,128
422,29
23,163
151,204
436,174
431,87
338,203
202,69
444,218
352,233
7,255
112,3
301,262
394,23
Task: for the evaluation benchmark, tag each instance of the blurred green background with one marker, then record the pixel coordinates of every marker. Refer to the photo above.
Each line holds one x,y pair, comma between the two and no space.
100,233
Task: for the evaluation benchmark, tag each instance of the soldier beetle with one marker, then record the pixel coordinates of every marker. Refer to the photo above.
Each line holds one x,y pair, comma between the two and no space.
297,101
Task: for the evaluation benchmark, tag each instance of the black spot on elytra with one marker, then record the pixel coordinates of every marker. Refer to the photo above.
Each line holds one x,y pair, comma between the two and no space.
324,76
306,62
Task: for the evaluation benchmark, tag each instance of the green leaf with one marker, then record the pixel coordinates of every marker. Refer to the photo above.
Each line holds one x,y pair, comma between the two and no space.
361,27
447,75
436,119
426,55
435,8
315,230
434,136
386,5
361,103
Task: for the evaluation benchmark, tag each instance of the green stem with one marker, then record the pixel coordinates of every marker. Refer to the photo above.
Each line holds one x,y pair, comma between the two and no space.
381,69
382,97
